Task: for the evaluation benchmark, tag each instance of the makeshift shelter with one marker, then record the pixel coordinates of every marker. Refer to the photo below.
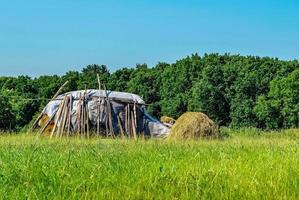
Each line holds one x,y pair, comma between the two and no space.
100,112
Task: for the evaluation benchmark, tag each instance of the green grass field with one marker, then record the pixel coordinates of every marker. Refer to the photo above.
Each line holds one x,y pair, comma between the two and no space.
247,165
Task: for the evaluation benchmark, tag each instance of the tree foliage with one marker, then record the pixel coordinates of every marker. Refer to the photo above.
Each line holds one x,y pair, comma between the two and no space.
7,118
233,90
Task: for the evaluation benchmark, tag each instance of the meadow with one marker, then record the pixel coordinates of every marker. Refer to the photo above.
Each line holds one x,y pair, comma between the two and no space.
246,164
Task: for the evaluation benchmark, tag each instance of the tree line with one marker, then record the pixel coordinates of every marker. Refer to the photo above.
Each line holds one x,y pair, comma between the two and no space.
234,90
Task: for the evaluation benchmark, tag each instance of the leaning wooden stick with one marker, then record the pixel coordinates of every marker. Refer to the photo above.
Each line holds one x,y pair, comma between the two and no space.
120,127
135,117
83,118
67,121
35,123
108,127
48,122
64,118
106,117
101,110
58,116
70,116
128,122
87,120
98,115
98,106
79,116
133,126
84,111
110,117
56,120
99,82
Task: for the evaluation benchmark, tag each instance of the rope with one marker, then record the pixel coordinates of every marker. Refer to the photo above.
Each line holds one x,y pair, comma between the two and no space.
59,99
27,99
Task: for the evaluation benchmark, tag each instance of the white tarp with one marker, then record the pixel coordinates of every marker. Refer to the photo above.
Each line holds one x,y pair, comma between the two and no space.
118,101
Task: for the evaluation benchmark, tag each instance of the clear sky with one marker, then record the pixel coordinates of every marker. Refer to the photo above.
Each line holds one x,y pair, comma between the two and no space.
53,36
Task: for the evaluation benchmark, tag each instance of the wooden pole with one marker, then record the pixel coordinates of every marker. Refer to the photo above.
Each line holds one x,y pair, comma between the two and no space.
98,106
48,122
120,127
110,119
70,115
67,121
79,115
125,119
34,125
106,119
98,117
58,116
133,126
87,119
64,118
129,121
83,118
99,82
67,112
135,117
109,110
59,112
61,118
108,114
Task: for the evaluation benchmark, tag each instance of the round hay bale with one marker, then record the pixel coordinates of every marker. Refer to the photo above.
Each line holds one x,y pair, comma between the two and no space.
192,125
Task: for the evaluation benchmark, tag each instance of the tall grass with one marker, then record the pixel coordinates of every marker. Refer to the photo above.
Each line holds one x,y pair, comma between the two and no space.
243,166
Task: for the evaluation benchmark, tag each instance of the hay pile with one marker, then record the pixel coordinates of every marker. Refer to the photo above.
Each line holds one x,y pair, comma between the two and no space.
167,120
193,125
42,122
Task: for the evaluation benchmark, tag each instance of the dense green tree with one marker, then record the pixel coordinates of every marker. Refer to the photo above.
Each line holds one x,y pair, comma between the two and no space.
143,82
177,80
88,76
280,109
73,78
18,90
7,118
3,81
22,85
118,80
253,80
208,95
47,85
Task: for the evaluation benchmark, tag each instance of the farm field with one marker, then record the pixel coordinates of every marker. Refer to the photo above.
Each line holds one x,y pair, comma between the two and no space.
247,164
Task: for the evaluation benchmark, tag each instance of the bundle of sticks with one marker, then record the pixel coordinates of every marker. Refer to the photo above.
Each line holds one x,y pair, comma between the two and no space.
63,118
123,124
131,120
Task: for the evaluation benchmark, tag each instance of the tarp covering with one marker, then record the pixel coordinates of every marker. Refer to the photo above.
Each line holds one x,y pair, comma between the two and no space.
96,101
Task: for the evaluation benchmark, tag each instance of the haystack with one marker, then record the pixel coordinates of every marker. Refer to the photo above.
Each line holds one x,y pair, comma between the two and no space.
167,120
193,125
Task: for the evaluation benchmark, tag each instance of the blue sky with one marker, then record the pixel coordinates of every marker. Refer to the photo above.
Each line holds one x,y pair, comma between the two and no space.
54,36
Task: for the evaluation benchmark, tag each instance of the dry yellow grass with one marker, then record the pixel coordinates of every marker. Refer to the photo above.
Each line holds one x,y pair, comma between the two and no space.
194,125
168,120
42,122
